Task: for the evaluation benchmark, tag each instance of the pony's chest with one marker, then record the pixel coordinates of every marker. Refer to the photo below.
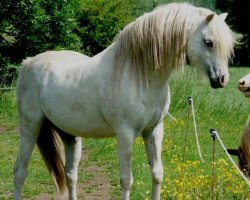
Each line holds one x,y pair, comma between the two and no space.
139,109
153,116
156,106
144,115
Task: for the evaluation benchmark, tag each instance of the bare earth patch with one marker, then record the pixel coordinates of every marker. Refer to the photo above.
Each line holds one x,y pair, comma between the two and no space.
96,187
42,197
2,129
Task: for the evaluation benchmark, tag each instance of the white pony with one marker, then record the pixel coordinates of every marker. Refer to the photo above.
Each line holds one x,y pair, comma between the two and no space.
121,92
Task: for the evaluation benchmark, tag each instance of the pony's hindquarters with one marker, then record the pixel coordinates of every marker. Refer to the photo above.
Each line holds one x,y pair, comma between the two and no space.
33,128
30,122
49,145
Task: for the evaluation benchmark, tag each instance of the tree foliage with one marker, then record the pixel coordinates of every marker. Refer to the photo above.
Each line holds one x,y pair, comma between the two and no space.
38,25
100,21
239,13
28,27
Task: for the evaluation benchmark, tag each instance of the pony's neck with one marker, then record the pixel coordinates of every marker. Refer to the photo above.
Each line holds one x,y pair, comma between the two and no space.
142,78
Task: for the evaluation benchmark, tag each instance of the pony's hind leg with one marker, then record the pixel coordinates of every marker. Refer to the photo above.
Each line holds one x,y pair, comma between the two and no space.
73,148
153,143
29,131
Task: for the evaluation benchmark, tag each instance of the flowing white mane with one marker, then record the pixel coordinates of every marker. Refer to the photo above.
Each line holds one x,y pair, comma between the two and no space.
158,40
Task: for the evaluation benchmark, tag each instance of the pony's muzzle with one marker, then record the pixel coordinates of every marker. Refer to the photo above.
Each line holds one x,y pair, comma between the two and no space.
244,86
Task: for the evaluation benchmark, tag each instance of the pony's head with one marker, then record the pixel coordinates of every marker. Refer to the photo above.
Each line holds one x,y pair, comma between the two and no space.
243,152
244,85
210,47
161,40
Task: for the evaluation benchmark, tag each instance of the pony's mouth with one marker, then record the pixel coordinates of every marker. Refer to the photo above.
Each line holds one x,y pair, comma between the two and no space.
245,90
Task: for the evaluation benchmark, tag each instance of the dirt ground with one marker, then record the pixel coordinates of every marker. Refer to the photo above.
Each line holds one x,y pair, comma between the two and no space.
97,187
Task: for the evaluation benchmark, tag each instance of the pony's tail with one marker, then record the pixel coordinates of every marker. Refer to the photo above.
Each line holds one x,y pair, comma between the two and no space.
50,146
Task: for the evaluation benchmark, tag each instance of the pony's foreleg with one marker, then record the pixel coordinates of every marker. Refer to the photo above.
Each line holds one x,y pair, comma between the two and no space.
125,139
73,149
153,143
29,132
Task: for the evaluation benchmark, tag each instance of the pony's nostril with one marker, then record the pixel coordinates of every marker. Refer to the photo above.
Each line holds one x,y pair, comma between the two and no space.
222,79
241,83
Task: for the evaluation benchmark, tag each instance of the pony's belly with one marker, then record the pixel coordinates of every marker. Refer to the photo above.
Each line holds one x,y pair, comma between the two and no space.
96,134
76,117
82,124
92,130
87,129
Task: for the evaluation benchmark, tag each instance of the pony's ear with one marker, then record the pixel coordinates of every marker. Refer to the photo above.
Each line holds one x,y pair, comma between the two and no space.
234,152
223,16
209,17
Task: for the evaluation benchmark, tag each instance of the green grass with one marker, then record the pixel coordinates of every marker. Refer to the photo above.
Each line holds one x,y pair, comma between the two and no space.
226,110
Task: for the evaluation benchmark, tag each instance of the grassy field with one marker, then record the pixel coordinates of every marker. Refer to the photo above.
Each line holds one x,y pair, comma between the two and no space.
186,177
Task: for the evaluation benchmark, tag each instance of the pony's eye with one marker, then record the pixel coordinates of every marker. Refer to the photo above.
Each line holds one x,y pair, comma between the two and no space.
208,43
